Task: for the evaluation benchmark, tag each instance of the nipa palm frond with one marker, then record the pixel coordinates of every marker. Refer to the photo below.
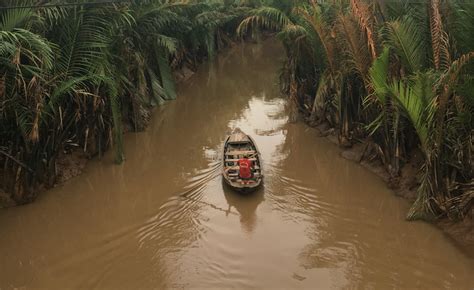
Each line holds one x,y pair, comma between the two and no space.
265,18
408,43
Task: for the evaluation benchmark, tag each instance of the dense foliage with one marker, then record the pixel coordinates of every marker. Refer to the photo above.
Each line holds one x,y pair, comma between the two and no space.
397,74
72,76
394,74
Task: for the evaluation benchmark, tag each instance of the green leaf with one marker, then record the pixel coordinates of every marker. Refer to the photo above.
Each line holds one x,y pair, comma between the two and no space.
167,79
408,43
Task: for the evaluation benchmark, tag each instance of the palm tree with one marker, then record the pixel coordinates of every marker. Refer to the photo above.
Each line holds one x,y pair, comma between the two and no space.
388,67
71,76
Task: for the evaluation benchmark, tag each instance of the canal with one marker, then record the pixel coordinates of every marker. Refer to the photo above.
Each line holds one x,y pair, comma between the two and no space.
163,219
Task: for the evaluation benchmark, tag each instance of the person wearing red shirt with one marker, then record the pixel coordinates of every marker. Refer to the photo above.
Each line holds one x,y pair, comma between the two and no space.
245,168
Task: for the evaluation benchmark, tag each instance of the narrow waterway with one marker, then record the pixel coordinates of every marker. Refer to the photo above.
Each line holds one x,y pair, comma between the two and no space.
163,219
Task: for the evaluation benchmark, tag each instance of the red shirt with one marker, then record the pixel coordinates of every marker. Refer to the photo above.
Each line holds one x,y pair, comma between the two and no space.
245,168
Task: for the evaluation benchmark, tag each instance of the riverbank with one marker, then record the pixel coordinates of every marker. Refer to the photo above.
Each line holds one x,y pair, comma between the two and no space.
61,94
461,231
71,163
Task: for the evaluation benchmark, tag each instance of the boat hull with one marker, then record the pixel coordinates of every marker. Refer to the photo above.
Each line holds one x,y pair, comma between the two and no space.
237,146
240,188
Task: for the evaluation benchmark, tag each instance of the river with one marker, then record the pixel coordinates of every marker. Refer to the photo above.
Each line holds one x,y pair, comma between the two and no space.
163,219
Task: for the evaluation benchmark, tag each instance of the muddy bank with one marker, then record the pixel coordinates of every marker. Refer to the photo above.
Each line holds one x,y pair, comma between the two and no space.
461,232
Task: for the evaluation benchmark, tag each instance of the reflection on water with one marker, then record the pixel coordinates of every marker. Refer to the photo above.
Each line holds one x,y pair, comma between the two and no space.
164,219
246,206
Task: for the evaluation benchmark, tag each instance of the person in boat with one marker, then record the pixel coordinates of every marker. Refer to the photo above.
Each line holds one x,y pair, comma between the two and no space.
245,168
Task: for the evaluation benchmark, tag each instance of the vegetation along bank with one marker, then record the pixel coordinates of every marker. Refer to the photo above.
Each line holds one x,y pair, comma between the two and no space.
73,76
394,76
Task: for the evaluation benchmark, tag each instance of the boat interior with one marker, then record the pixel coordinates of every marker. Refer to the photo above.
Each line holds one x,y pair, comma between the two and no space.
236,151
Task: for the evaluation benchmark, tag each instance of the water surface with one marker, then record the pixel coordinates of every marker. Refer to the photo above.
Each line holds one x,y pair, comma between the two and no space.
163,219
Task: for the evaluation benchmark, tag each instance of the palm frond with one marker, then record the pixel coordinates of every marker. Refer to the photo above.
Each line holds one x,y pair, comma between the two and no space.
379,75
365,18
354,46
460,24
264,18
408,43
412,101
14,18
313,15
439,37
166,76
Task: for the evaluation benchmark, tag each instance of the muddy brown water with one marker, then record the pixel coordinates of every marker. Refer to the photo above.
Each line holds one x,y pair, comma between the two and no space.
163,219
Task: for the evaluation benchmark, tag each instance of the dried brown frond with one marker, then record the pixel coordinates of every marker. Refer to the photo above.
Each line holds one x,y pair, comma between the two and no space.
439,38
457,65
355,46
447,82
34,134
365,18
323,30
16,60
458,206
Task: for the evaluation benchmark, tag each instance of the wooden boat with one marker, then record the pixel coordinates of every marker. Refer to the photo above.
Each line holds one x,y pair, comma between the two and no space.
240,145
